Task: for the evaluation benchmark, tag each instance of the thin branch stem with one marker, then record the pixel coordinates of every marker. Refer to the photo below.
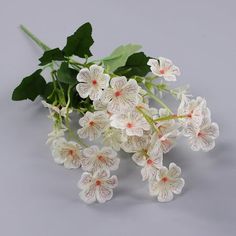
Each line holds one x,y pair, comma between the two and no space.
41,44
159,101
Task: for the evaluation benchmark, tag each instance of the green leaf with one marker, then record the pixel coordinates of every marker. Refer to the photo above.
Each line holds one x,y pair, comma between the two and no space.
52,55
119,56
80,42
49,95
67,75
30,87
136,65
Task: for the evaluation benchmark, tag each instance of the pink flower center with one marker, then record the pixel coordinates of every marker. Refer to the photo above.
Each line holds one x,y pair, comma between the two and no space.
164,179
118,93
199,134
98,183
91,123
129,125
162,71
101,158
71,152
149,162
94,82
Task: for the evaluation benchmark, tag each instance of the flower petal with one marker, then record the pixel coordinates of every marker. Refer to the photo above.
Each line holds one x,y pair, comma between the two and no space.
88,195
85,180
174,170
103,194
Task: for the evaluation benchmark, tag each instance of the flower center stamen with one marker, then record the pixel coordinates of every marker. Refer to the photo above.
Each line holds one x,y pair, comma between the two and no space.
129,125
162,71
164,179
94,82
101,158
118,93
149,162
91,123
98,183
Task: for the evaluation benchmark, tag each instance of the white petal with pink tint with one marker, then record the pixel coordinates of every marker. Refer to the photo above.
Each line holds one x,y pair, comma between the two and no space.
93,124
164,68
96,159
92,82
132,122
98,186
166,183
68,153
122,96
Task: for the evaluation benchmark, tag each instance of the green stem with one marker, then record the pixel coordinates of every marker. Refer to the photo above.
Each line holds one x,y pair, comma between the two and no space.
159,101
148,119
41,44
171,117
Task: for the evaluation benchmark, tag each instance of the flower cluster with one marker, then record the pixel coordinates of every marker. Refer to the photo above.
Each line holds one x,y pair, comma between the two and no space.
113,98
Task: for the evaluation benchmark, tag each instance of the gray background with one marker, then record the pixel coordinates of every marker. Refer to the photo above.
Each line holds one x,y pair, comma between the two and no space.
37,197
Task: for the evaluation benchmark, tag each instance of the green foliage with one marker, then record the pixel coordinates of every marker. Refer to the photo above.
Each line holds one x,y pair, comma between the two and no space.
136,65
67,75
52,55
30,87
80,42
119,56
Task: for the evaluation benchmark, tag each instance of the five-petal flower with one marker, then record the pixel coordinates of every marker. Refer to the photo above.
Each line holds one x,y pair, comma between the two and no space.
93,124
92,81
166,183
132,122
98,186
98,159
202,137
150,158
122,96
164,67
66,152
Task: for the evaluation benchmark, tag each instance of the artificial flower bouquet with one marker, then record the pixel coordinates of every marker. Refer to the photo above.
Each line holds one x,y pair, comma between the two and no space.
111,96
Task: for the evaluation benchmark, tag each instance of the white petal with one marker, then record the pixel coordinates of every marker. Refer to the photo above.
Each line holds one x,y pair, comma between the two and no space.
177,185
91,151
83,132
88,195
134,132
212,130
84,75
112,182
95,71
165,195
107,95
174,170
139,159
118,82
144,173
103,193
83,89
85,180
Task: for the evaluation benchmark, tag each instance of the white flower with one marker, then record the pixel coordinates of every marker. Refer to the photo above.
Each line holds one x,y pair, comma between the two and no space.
114,138
55,134
166,134
62,111
98,186
93,124
194,109
202,137
166,183
165,68
122,96
66,152
150,158
93,81
132,122
96,159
